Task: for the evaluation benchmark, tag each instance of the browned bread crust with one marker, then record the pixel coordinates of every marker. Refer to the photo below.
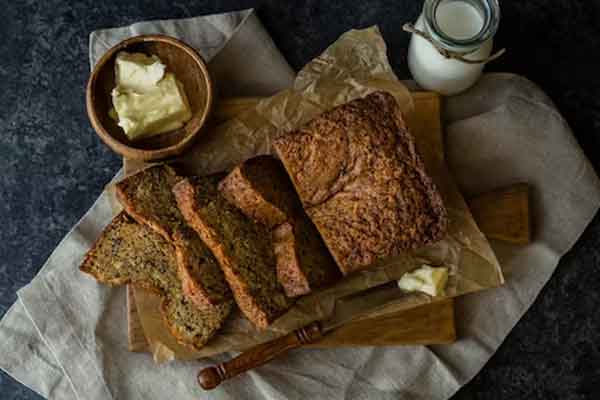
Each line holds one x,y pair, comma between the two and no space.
241,246
289,272
260,188
128,252
362,182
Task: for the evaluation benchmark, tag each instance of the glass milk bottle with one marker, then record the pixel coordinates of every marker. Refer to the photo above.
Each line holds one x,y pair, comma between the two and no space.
451,42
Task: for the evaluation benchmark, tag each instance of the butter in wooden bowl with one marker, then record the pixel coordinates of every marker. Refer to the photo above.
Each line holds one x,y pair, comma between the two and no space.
147,100
149,97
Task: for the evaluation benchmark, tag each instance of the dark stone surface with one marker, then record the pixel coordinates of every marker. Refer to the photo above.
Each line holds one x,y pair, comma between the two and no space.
53,166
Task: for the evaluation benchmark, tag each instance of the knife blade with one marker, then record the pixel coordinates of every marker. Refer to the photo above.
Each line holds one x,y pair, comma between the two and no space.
355,306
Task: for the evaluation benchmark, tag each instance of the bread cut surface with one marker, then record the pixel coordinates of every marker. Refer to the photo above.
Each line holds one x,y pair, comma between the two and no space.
261,189
147,197
362,182
201,276
303,261
242,247
128,252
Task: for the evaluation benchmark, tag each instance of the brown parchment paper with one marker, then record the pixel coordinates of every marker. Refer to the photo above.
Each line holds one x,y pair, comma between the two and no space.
354,66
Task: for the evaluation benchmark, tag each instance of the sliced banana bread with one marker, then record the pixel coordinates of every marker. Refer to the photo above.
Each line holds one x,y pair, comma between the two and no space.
362,182
261,189
147,197
129,252
241,246
201,277
303,261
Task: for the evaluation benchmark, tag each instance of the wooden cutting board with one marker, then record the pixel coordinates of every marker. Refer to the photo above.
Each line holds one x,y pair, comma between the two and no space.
502,215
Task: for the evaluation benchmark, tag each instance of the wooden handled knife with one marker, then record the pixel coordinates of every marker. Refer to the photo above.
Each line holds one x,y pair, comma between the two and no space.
346,309
502,214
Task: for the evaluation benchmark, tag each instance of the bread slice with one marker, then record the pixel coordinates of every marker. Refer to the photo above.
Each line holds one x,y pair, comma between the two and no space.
261,189
303,261
241,246
200,274
128,252
362,182
147,197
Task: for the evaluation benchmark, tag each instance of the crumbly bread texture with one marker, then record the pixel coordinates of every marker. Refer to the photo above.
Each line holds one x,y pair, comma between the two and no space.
362,182
261,189
303,261
200,274
147,197
242,247
128,252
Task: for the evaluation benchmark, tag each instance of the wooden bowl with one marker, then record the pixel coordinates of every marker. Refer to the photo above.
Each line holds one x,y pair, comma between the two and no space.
189,68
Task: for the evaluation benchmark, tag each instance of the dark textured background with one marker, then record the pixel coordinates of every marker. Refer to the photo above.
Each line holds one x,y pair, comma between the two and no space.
53,166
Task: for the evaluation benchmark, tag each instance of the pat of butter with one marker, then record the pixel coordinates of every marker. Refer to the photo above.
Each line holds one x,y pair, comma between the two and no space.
137,72
426,279
147,100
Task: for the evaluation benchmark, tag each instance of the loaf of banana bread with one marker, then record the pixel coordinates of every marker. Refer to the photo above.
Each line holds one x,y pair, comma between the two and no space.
362,182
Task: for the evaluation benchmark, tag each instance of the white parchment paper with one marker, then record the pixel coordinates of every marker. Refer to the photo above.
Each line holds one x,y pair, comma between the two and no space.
66,338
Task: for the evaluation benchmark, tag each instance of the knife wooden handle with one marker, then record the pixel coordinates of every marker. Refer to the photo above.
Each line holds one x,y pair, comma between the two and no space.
211,377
